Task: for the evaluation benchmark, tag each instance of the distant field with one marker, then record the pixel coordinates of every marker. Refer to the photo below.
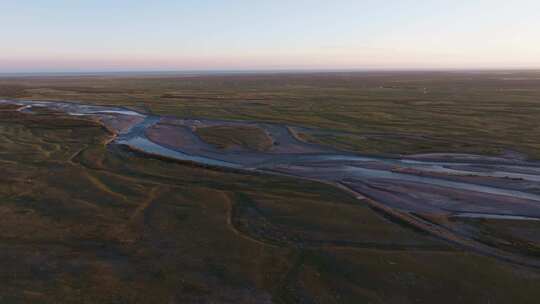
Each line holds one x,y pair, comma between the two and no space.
396,113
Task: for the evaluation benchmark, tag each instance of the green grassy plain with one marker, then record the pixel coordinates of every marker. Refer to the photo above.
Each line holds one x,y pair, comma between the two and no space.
83,222
387,112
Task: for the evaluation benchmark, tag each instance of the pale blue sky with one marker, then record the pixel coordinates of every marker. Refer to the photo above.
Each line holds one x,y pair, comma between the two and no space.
77,35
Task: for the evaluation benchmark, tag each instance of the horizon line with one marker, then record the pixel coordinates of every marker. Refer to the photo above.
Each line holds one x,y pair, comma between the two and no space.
259,71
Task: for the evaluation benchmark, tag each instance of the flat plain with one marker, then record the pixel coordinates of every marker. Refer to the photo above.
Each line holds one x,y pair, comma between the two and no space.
87,221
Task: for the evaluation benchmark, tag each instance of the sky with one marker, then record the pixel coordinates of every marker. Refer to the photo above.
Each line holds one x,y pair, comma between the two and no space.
144,35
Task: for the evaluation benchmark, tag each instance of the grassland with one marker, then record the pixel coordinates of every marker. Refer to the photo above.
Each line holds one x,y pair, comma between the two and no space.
83,222
410,112
224,137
